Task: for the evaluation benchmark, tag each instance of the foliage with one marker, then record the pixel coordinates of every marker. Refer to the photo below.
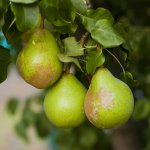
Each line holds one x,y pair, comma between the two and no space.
63,19
115,34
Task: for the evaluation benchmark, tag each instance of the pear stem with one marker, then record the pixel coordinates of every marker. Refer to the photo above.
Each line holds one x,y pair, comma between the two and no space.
68,67
116,60
89,79
99,48
42,22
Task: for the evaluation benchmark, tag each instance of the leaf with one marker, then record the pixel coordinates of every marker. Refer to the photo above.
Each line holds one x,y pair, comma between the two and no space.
21,130
79,5
66,11
60,14
42,125
72,47
119,27
23,1
141,110
100,13
3,9
100,24
27,16
92,16
105,34
88,23
12,105
67,28
94,59
4,5
5,60
90,44
48,9
28,116
68,59
1,20
128,78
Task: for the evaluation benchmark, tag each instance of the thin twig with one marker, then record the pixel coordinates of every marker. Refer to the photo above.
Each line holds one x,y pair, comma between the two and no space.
116,60
83,38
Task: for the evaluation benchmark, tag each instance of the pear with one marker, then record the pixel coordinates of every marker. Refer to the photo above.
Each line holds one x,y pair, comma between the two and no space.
64,102
37,62
109,101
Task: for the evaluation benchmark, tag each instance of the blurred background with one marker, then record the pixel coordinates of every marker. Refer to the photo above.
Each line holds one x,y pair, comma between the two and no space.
23,125
14,87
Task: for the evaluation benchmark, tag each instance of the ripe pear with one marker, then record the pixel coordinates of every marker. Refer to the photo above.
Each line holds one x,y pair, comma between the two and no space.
64,102
37,62
109,101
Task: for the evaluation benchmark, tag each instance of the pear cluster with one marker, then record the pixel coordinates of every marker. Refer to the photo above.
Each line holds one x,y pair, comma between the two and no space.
108,102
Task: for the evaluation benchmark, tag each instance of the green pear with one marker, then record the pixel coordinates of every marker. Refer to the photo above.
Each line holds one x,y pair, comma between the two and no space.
109,102
64,102
37,62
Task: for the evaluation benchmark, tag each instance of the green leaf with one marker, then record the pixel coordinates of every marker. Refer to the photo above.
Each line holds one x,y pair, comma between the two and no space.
128,78
92,16
23,1
1,20
79,5
21,130
5,60
68,28
94,59
28,116
100,13
27,16
61,15
141,110
100,24
72,47
66,11
48,9
4,5
12,105
67,59
88,23
90,44
119,27
42,125
106,35
3,9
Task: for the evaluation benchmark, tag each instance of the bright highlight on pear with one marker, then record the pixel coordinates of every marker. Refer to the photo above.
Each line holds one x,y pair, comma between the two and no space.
109,101
64,102
38,63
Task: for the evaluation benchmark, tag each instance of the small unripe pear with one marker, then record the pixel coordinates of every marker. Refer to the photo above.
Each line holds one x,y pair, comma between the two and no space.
109,101
37,62
64,102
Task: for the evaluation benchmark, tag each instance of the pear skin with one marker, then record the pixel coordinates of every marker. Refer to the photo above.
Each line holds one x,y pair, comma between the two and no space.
37,62
64,102
109,102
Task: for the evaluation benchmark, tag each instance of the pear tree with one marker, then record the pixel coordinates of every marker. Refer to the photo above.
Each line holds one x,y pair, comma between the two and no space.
49,44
